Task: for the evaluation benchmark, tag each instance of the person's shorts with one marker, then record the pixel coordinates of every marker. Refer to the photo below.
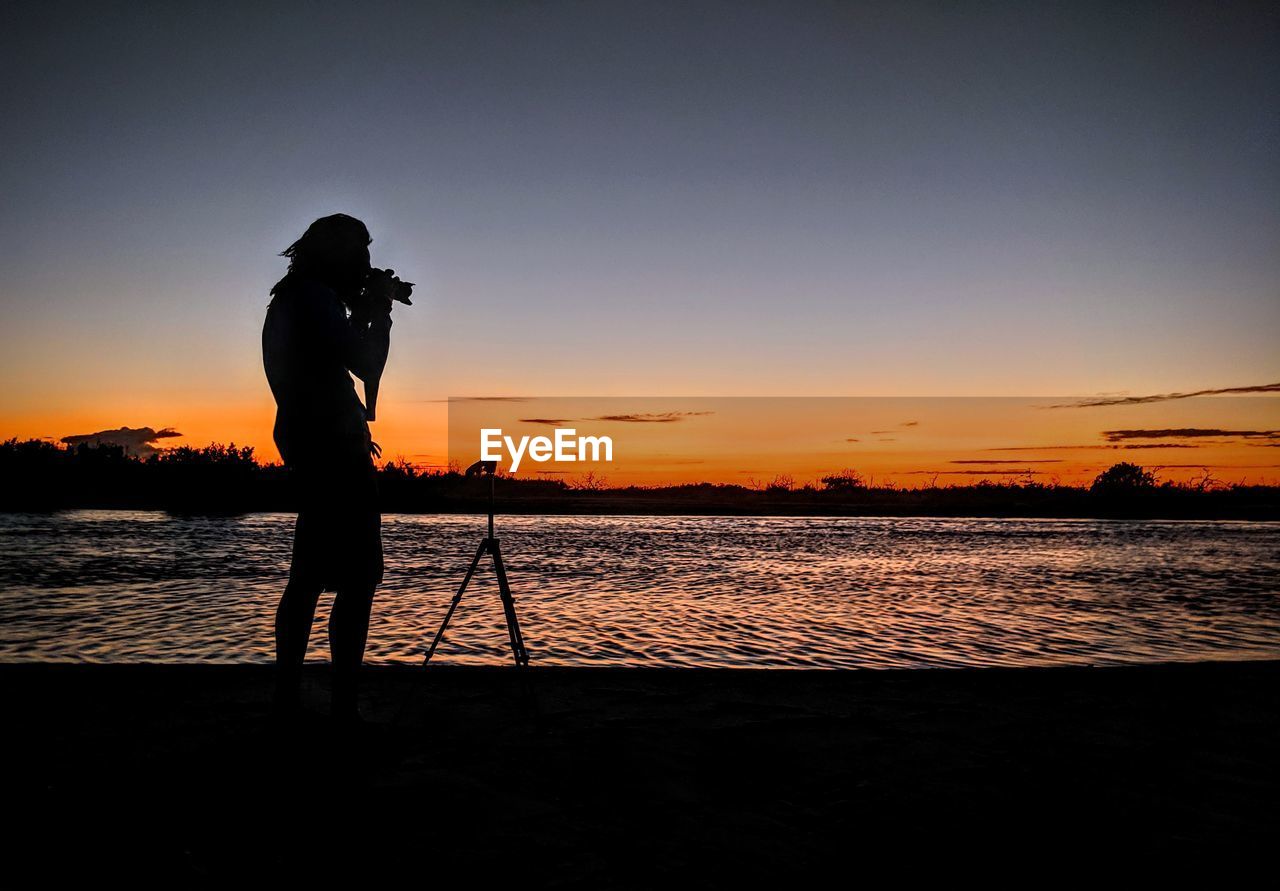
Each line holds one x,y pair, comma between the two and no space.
337,542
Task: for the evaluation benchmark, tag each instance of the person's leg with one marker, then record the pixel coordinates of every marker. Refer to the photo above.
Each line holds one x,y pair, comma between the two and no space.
352,604
348,633
296,612
294,616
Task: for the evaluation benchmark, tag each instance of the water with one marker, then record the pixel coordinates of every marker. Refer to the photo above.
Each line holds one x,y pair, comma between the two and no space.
112,586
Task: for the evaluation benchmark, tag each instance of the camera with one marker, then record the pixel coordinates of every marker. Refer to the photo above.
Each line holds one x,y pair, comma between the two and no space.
398,291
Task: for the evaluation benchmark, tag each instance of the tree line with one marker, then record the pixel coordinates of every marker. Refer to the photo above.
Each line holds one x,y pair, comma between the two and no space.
38,475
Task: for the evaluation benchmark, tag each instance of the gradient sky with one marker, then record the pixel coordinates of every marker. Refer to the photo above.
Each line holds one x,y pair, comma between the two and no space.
639,198
906,441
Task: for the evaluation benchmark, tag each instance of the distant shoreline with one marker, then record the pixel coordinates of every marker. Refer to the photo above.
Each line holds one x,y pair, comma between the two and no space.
622,507
38,476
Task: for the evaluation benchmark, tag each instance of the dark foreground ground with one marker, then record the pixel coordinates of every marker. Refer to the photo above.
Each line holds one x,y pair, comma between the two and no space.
668,778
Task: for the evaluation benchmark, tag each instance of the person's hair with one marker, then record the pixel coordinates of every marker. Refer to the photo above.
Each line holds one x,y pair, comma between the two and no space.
330,242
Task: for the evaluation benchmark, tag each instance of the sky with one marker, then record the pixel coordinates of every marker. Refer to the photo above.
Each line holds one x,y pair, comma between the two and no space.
639,199
902,441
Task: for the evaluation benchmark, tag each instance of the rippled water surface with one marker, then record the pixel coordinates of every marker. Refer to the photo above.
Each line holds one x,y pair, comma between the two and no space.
120,587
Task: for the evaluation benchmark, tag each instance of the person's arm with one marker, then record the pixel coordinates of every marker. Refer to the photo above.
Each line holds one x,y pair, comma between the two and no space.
372,355
372,322
365,347
361,342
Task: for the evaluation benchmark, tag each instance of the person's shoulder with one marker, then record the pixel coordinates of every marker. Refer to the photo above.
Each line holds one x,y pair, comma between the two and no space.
314,292
305,298
294,289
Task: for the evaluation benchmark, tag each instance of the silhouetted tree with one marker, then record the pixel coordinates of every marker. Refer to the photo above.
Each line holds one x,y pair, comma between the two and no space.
215,454
783,482
1123,478
398,469
590,482
847,480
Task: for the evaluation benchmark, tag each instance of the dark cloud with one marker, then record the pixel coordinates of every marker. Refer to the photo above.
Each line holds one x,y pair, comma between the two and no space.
1093,447
489,399
896,429
550,422
1045,448
1016,471
1024,461
1214,466
474,399
661,417
1186,433
853,440
1166,397
135,440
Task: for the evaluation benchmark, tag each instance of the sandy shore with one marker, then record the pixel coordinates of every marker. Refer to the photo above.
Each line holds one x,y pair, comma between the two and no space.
625,777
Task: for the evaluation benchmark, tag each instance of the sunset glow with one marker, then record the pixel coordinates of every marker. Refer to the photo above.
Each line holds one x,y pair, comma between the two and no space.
820,216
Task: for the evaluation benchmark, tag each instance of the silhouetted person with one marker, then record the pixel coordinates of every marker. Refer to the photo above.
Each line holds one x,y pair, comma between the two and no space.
328,319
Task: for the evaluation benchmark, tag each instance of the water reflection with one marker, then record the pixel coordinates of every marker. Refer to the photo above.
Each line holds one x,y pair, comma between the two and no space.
119,586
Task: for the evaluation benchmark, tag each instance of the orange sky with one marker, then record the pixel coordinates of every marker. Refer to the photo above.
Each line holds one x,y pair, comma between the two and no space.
909,441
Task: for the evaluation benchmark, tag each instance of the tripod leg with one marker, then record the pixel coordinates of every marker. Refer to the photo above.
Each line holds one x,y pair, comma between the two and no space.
517,639
509,608
457,598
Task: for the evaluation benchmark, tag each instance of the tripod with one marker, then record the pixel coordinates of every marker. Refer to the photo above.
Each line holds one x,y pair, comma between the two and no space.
488,545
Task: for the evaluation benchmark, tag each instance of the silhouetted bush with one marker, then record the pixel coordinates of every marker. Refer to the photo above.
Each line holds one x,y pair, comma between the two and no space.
846,480
1123,478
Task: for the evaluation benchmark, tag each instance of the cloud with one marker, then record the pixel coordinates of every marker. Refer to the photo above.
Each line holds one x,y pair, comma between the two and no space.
1046,448
489,399
1186,433
1206,466
1019,471
1094,446
661,417
853,440
909,424
1166,397
1024,461
135,440
550,422
473,399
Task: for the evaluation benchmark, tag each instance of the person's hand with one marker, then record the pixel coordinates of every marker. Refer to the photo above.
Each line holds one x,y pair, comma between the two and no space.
379,290
380,298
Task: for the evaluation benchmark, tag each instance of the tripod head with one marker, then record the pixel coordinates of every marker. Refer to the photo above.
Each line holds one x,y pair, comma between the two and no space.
489,469
482,468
